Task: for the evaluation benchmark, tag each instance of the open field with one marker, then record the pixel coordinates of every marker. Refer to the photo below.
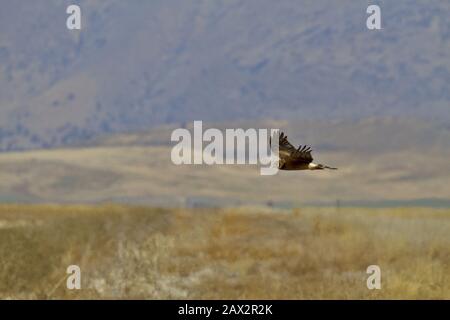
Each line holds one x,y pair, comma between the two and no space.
261,253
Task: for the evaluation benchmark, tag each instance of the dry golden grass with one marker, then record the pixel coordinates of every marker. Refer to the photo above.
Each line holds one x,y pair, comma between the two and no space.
241,253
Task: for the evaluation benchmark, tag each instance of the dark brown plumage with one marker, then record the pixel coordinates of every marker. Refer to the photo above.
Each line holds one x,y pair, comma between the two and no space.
300,158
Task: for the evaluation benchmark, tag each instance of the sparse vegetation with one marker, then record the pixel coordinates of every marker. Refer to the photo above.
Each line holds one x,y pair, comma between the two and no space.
134,252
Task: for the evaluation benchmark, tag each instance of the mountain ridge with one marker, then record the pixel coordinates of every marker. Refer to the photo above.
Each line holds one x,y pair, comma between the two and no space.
143,64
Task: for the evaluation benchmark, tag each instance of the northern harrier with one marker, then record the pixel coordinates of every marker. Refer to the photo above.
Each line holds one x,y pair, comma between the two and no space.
300,158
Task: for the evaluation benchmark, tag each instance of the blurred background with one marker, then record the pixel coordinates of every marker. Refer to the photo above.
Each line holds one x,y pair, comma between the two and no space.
86,118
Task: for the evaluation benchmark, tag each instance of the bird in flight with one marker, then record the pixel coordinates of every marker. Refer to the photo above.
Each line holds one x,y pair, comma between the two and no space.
291,158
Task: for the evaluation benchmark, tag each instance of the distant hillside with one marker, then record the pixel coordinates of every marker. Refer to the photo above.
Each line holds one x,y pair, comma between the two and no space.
140,64
387,162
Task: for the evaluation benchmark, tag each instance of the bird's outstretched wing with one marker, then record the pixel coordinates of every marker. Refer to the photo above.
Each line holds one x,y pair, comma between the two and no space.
288,153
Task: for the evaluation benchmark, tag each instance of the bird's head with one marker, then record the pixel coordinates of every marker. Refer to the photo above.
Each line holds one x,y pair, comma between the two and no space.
315,166
320,167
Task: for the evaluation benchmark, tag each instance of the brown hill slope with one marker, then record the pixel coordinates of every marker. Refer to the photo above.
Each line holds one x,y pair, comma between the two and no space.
377,159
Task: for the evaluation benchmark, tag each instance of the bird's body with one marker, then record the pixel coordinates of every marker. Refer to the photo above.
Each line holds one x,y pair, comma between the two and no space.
291,158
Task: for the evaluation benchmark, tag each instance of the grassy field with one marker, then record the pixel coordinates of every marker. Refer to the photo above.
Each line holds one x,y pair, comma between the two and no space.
241,253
